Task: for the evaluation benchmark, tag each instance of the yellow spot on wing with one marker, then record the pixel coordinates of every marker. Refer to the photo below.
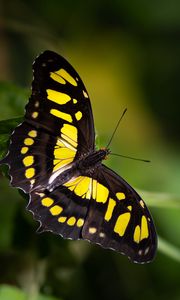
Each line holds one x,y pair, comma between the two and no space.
69,140
62,219
61,163
85,94
110,209
35,114
57,113
102,234
40,194
92,230
94,187
73,182
71,221
78,115
67,145
120,196
28,141
47,201
29,173
57,97
89,192
129,207
141,202
59,143
64,153
144,228
32,133
67,76
57,77
74,101
24,150
122,223
32,181
101,193
137,232
28,160
70,131
56,210
83,186
80,222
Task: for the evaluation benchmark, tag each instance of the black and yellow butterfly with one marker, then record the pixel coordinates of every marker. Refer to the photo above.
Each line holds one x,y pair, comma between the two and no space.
52,157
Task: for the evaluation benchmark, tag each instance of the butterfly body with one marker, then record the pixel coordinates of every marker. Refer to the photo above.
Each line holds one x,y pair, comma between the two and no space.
84,166
52,157
91,161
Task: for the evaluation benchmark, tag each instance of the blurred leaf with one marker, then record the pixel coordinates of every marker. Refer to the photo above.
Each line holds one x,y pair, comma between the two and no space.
44,297
4,142
13,100
164,200
169,249
7,126
8,292
11,293
9,206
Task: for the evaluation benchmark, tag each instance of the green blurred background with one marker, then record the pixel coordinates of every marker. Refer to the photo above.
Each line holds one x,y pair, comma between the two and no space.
128,55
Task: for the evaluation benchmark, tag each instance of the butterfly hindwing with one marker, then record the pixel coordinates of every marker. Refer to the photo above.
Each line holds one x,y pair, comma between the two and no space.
62,211
101,208
118,218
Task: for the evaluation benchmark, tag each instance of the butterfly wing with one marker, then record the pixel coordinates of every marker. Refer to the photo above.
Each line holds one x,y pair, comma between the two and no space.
63,211
102,208
58,125
59,97
59,211
118,218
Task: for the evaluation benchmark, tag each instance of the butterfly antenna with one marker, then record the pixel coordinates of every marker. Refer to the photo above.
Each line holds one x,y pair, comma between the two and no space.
134,158
116,127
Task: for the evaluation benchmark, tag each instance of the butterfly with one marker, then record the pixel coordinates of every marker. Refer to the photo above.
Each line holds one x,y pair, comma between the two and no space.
52,157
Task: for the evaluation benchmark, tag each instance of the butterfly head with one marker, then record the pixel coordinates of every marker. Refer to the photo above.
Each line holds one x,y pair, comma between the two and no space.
105,152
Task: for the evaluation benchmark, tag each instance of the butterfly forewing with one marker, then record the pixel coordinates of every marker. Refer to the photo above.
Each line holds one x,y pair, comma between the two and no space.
58,125
59,97
45,159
